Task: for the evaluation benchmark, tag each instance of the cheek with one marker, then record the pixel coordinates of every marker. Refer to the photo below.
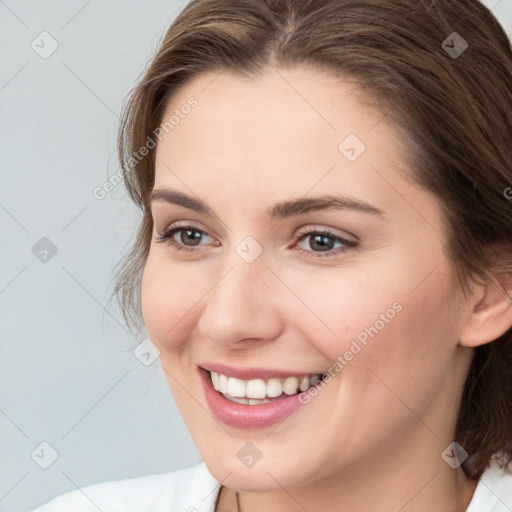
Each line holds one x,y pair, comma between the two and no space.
169,293
379,317
344,309
408,353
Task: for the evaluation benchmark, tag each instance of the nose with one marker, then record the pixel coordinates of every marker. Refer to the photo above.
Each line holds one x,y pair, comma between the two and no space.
242,307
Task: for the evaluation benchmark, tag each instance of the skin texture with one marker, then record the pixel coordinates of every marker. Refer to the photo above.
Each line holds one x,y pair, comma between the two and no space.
372,439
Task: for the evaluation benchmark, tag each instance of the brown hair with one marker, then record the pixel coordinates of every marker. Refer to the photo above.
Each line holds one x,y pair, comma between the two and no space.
455,109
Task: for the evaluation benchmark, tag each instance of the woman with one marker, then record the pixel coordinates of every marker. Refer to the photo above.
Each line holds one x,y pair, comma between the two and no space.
325,257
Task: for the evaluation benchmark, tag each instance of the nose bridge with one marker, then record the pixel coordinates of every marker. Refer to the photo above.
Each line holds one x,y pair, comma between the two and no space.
245,274
240,304
241,285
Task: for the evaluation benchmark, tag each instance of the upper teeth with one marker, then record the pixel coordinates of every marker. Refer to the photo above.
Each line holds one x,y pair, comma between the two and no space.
259,388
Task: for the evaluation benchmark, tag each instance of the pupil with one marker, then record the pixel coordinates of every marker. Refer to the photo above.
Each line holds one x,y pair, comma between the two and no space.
321,243
190,237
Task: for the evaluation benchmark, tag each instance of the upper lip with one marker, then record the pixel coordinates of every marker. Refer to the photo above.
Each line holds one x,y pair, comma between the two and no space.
252,373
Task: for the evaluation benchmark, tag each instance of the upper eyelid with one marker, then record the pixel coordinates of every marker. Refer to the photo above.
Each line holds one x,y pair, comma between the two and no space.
344,236
178,228
184,225
338,238
301,232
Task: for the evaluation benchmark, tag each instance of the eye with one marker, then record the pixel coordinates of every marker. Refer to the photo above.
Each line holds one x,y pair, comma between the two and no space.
184,238
312,243
319,243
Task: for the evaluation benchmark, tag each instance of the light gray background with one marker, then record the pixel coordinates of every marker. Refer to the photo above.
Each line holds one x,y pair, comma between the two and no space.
68,373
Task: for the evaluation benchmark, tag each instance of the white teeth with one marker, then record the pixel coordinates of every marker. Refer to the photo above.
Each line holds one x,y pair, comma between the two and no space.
304,383
215,380
258,402
274,388
290,385
256,388
255,391
223,384
246,401
236,387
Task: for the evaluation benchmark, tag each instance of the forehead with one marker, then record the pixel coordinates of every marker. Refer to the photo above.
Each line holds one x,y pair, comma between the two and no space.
295,112
277,108
285,132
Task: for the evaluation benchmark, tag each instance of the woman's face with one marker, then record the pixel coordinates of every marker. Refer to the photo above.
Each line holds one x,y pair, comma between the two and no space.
304,250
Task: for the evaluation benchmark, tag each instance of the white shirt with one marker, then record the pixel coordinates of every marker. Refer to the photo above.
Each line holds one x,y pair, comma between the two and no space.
195,490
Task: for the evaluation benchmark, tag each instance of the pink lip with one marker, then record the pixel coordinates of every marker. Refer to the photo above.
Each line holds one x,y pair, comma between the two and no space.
250,373
246,416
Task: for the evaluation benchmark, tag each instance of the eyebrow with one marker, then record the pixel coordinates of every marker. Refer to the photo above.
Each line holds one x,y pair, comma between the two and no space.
281,210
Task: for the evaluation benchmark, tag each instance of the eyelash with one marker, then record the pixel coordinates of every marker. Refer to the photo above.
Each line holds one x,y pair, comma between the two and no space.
168,234
347,244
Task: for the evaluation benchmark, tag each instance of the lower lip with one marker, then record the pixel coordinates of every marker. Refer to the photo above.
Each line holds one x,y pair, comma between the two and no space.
247,416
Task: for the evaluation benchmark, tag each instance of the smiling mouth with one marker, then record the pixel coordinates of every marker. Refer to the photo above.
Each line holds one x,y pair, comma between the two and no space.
260,391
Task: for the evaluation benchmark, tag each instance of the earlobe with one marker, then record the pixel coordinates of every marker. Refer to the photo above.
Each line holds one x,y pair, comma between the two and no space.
491,316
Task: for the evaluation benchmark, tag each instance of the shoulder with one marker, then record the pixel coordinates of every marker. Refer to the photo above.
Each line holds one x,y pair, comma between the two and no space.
494,490
188,490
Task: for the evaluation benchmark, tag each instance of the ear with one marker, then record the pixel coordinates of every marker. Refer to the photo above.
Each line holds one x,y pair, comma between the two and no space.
491,314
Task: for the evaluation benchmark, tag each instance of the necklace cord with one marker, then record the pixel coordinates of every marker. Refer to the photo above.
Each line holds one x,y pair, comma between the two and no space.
237,498
237,502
